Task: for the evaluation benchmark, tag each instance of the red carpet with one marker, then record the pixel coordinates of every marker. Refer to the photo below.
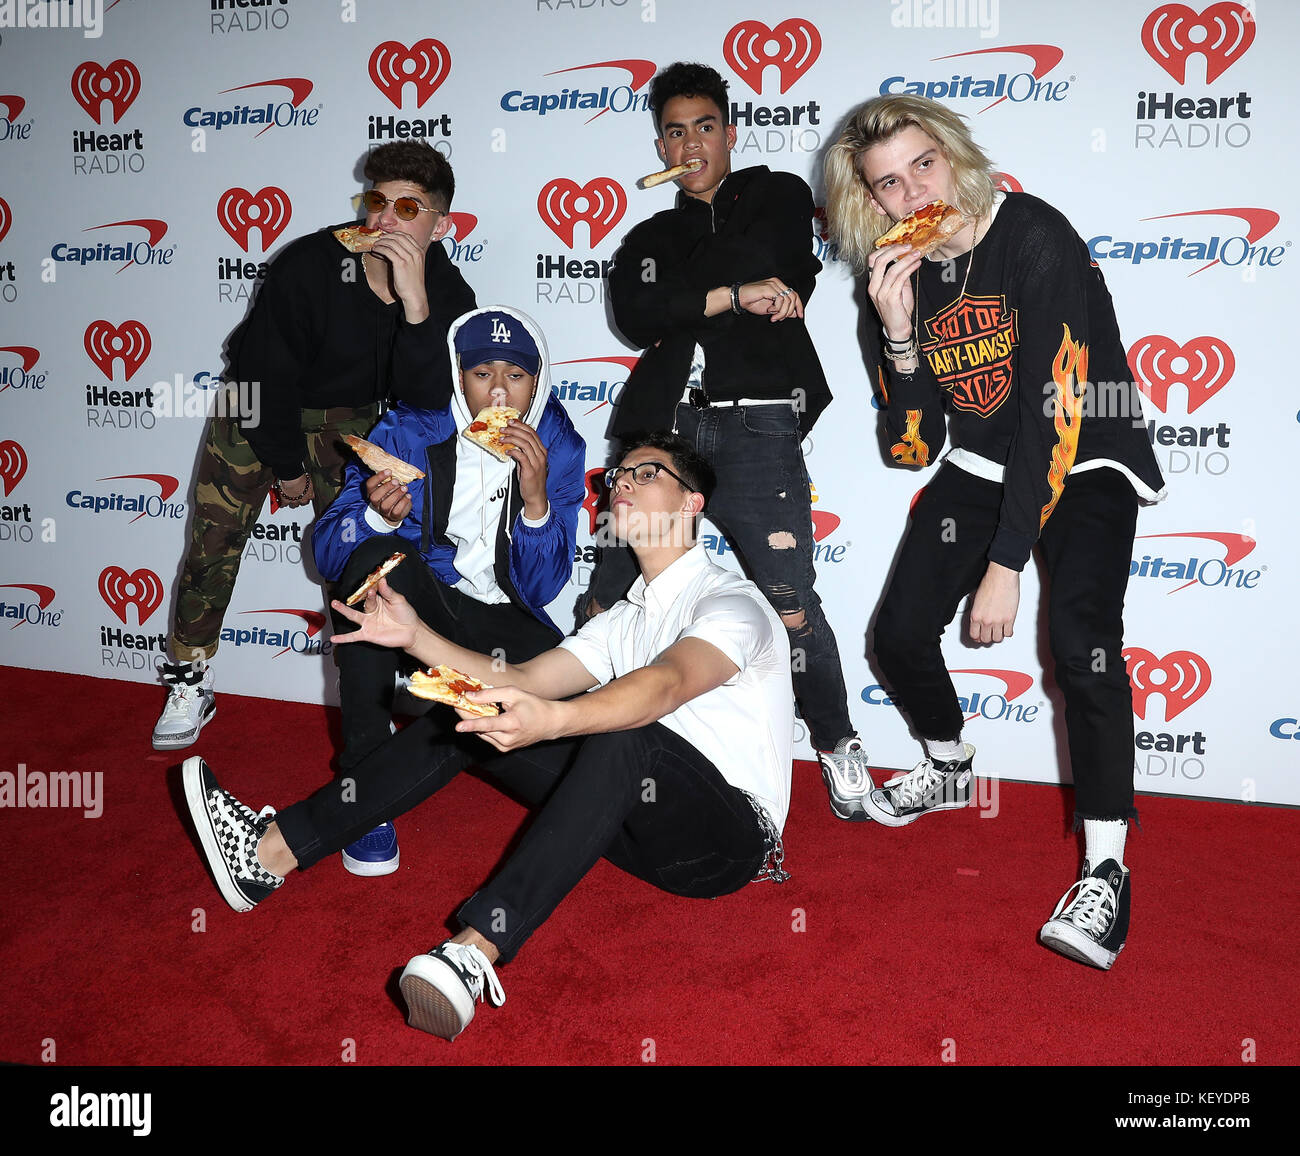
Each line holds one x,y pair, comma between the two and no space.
912,946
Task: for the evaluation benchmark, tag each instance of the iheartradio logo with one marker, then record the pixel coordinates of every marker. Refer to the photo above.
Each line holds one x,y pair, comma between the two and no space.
143,590
601,202
13,465
1181,677
793,46
426,64
1204,365
118,83
1006,182
6,218
1222,34
268,210
129,341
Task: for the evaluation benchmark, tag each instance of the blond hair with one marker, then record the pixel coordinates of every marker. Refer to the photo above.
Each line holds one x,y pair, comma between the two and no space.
854,224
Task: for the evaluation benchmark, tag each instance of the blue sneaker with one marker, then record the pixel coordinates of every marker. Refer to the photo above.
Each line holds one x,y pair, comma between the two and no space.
373,854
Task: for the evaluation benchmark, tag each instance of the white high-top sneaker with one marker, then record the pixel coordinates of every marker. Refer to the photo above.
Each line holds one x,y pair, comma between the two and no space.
191,702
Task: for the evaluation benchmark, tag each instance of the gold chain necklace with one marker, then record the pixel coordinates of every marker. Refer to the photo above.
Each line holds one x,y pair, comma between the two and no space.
916,289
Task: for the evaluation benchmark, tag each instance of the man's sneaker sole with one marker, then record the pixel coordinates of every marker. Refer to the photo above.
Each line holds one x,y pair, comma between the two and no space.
1077,945
888,819
184,738
368,867
437,999
192,776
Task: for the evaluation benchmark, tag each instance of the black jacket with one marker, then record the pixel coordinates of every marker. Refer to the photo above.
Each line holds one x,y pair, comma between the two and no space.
758,225
318,338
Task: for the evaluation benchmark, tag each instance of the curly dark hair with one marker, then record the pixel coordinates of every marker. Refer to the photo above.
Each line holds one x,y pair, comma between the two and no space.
692,466
684,79
417,162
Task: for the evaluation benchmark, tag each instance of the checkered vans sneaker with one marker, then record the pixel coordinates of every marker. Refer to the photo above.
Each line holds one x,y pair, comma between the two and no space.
1090,924
923,789
442,987
191,704
844,771
229,833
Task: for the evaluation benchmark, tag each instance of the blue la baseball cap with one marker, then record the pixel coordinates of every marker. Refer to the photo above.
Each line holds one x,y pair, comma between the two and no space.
497,336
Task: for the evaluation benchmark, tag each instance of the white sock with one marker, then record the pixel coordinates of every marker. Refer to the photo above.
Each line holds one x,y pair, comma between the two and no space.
1104,839
941,752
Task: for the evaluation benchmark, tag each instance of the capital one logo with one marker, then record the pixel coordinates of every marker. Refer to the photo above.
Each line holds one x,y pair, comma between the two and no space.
601,202
21,374
1222,33
6,218
13,106
118,83
299,641
462,225
268,210
1211,572
1203,365
1182,677
44,596
142,589
1006,182
793,46
106,343
426,64
13,465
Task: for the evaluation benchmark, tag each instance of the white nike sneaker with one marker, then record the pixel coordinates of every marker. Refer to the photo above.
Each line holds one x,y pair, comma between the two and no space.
191,702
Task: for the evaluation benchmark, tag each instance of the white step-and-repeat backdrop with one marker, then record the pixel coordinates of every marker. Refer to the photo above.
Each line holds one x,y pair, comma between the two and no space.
154,156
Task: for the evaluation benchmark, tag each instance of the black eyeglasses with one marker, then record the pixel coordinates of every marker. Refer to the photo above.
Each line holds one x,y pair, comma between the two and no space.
406,208
643,474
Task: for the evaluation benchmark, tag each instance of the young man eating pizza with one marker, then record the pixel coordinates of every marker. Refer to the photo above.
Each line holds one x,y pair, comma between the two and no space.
488,536
688,683
714,291
331,337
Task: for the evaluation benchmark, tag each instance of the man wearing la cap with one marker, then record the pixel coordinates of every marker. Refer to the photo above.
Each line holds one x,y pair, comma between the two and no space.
488,544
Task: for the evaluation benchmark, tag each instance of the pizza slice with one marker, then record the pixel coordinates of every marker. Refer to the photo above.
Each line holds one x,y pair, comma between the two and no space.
358,238
489,427
925,229
446,685
372,579
376,460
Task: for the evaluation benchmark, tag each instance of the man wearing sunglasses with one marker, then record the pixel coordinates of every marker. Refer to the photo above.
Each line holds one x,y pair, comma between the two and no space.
675,766
332,336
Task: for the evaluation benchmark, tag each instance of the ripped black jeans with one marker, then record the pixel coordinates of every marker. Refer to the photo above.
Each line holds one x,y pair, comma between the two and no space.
763,507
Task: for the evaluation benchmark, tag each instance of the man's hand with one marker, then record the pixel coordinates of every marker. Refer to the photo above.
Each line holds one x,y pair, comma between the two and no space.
770,297
890,288
525,719
387,497
528,451
993,612
406,261
388,620
295,492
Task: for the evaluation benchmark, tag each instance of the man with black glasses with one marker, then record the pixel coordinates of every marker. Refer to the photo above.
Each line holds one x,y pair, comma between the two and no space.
331,337
676,769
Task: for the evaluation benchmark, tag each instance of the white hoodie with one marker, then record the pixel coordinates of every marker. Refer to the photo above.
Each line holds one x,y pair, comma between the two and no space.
481,494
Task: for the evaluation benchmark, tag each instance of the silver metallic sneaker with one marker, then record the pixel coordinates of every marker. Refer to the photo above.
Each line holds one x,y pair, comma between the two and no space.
844,771
191,704
923,789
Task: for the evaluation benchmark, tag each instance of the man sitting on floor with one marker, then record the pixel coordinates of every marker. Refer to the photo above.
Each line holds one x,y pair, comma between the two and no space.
677,769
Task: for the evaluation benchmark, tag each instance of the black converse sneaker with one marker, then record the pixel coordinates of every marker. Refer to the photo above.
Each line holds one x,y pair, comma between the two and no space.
923,789
229,832
1090,924
441,988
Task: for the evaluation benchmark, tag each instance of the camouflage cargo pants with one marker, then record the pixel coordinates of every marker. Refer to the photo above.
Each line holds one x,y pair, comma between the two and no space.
231,486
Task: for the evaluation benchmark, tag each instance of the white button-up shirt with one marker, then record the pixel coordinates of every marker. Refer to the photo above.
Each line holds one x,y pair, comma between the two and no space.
745,726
